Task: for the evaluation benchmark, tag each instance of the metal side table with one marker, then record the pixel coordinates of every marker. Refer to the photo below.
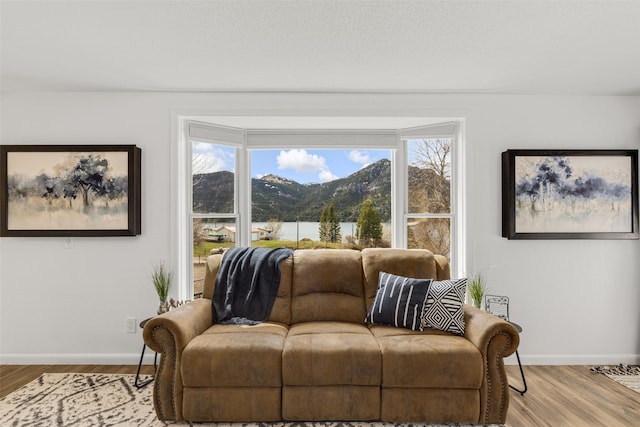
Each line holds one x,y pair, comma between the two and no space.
155,360
524,382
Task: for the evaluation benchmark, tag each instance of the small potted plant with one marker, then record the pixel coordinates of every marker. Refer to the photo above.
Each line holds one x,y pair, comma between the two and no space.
161,278
477,289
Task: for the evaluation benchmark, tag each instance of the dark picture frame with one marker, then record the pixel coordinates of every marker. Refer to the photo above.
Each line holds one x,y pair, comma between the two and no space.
570,194
70,190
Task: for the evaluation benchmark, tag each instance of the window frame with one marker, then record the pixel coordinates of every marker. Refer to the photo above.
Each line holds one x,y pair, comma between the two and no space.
452,130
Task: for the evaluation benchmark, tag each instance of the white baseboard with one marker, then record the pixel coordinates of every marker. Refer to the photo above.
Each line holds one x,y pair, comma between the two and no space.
76,359
574,359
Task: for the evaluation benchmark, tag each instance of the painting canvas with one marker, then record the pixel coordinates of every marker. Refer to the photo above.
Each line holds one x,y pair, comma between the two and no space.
66,190
565,194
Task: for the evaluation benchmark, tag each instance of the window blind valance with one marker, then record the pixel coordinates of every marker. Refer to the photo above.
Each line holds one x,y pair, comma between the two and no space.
325,138
440,130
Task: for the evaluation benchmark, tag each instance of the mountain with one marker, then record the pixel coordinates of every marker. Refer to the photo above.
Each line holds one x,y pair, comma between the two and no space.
213,192
288,201
275,197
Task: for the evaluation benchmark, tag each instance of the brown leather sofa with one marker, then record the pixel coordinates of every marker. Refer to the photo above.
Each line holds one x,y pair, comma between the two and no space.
317,359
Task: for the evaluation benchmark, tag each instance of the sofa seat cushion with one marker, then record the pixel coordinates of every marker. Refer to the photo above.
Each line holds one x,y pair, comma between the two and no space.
330,353
428,359
235,355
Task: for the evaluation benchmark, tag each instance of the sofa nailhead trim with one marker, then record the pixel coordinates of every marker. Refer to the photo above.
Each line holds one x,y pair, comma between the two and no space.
156,390
502,384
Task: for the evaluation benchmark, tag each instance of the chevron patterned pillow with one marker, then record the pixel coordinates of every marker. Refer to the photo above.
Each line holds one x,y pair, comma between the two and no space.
399,301
445,306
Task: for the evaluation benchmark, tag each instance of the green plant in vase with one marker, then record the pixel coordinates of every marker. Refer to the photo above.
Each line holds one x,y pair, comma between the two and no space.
477,288
162,278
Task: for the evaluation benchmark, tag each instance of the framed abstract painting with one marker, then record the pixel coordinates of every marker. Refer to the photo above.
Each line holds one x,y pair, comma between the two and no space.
570,194
70,190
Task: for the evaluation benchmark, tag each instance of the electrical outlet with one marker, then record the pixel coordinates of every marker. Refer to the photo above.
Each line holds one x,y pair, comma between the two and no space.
131,325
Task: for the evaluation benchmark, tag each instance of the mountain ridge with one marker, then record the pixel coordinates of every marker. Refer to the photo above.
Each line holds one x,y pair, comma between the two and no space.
282,199
287,200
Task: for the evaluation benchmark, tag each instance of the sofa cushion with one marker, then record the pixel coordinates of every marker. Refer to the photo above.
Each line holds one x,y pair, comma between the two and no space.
330,402
431,405
428,359
445,306
231,404
418,263
399,302
327,285
330,353
235,355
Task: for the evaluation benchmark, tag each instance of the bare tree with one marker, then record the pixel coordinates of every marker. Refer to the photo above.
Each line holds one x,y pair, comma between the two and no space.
433,234
435,154
200,164
430,177
274,225
198,231
430,192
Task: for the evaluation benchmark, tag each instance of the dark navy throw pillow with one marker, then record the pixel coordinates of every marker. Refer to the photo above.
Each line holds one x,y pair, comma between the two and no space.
399,301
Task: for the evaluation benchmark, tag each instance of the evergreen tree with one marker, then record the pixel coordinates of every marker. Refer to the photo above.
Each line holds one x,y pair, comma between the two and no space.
369,226
329,229
334,226
323,229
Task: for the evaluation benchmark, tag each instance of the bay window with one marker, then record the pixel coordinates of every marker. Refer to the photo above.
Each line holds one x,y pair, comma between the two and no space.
264,187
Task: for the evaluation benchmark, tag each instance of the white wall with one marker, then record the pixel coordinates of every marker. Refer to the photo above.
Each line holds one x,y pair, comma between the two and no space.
576,300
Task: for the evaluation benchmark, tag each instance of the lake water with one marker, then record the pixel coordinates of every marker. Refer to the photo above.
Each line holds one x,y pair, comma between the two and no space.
308,230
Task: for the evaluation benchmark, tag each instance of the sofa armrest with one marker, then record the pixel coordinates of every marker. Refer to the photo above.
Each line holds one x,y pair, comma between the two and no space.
169,334
495,339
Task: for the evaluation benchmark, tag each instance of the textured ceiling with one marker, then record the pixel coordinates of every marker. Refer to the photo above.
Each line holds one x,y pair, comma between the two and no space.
537,47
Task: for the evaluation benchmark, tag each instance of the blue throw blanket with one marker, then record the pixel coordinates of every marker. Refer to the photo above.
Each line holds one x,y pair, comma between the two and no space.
247,284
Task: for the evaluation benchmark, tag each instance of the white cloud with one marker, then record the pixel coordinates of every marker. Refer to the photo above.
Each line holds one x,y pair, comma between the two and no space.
301,161
358,156
326,176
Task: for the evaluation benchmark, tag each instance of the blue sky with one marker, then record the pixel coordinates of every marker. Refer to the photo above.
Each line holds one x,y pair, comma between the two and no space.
298,164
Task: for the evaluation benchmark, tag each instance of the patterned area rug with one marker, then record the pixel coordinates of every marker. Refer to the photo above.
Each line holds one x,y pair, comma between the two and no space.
81,400
628,376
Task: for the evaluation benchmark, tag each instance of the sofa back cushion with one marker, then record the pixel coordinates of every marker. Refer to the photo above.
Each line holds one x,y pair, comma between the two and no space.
281,311
414,263
337,284
327,285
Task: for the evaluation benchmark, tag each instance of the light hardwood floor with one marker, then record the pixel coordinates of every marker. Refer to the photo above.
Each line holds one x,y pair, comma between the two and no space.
558,396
